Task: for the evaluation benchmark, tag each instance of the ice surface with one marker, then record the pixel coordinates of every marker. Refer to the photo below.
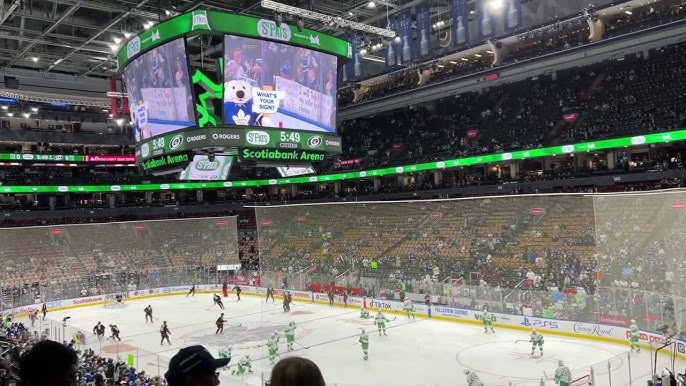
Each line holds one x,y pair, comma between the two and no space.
415,352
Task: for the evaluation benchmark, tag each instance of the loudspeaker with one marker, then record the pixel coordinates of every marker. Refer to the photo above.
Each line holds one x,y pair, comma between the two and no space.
11,83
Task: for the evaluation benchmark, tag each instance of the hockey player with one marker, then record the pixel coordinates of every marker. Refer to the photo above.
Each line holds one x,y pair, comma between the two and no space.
286,301
364,313
238,291
220,324
115,332
409,308
225,289
148,313
364,341
290,335
99,331
33,316
270,294
487,319
563,377
536,340
225,352
218,301
380,322
473,378
243,365
44,309
331,296
164,333
273,347
345,299
192,291
633,340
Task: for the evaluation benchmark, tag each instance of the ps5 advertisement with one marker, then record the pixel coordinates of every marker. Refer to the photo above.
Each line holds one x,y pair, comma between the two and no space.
277,85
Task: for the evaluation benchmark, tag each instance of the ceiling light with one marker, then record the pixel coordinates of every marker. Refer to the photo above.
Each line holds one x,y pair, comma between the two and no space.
496,4
398,39
350,13
114,47
471,12
166,12
4,107
440,65
127,34
34,109
371,4
489,51
119,121
58,61
465,59
35,59
477,55
117,40
628,12
26,115
363,52
10,114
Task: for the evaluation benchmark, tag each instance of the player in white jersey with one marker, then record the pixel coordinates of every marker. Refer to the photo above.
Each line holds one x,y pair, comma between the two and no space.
473,378
633,339
364,341
563,377
380,322
290,335
408,307
536,340
487,319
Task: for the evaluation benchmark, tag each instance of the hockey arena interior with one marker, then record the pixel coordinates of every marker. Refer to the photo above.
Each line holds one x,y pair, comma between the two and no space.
310,193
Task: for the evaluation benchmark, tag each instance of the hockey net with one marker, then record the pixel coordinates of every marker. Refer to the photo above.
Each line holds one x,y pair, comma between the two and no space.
111,301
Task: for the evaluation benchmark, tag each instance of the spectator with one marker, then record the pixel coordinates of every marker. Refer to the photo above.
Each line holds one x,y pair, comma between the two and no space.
48,363
194,366
296,371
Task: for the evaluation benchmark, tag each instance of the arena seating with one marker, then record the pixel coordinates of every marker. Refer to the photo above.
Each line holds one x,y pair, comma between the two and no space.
554,38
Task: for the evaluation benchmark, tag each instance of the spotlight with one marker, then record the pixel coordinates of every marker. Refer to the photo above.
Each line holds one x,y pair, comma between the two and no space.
26,115
371,4
363,52
34,59
397,39
127,34
117,40
119,121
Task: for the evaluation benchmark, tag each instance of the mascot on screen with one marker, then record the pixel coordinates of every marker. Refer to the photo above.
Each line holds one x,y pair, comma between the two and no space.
238,103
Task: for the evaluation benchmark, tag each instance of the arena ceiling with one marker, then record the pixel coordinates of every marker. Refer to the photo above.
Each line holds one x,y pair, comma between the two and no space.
80,37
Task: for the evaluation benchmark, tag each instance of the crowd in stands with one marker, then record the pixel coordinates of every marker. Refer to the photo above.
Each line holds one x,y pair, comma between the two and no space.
557,37
611,99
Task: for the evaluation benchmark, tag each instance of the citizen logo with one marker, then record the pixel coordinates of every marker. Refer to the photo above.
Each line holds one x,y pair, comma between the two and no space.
288,145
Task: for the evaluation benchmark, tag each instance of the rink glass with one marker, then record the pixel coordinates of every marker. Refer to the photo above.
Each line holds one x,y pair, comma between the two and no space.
624,250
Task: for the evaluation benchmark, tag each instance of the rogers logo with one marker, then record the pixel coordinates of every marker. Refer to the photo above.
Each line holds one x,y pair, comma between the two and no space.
87,300
167,290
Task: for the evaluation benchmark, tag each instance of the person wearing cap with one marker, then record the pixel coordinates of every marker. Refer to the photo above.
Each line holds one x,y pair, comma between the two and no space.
194,366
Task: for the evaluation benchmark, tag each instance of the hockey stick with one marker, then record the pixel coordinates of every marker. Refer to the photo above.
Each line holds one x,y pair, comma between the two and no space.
305,347
235,325
546,376
208,308
522,340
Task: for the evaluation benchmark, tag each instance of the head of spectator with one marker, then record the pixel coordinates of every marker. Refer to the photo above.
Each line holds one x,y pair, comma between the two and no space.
194,366
48,363
296,371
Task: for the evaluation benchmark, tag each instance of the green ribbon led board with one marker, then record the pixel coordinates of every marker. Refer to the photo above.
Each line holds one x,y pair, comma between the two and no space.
615,143
212,22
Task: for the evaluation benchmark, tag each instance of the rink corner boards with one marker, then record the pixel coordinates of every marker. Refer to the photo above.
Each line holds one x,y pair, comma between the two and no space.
570,329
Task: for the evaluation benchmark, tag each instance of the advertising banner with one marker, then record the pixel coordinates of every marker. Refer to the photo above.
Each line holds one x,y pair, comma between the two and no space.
486,18
513,15
405,47
238,137
229,23
202,168
423,46
460,27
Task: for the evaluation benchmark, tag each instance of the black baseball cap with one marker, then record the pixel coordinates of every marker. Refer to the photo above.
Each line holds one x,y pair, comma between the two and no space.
192,360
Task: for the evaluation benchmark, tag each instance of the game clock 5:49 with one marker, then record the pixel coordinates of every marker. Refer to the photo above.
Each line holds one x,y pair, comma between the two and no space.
289,136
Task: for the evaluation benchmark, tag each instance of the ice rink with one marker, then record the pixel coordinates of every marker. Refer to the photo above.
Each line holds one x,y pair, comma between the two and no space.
415,352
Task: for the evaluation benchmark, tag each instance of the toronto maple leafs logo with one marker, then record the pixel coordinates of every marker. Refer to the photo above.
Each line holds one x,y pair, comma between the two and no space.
241,118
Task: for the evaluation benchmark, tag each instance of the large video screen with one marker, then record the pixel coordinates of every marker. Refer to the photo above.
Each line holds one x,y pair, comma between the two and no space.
159,91
277,85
